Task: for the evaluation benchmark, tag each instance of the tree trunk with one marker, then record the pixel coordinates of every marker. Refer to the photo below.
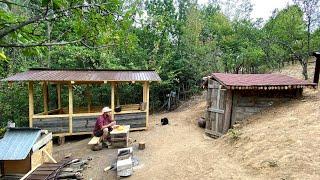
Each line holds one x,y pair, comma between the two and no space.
305,68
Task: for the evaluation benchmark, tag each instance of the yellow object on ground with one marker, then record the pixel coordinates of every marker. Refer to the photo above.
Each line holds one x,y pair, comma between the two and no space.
119,128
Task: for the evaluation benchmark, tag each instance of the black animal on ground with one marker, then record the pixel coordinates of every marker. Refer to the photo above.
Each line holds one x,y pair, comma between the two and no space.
164,121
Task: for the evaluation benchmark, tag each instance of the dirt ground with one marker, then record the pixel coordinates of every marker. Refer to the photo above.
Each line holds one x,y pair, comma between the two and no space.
280,143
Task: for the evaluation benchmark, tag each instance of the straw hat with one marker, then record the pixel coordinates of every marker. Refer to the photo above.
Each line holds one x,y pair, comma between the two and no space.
106,109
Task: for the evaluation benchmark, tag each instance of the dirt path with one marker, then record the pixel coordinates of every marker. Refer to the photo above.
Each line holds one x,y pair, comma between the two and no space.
181,151
175,151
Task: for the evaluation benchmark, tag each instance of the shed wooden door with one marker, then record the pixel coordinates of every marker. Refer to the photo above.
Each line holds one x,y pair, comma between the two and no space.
219,103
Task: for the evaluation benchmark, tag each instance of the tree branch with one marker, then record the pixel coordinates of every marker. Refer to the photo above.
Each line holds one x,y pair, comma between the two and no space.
44,17
43,44
20,5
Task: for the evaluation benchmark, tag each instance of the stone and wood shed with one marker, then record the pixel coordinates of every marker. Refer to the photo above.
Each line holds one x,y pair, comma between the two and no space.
234,97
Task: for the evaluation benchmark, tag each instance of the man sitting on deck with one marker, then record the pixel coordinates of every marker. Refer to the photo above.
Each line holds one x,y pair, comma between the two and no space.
104,125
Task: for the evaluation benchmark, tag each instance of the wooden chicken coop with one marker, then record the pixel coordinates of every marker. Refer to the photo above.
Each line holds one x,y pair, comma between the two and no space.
69,120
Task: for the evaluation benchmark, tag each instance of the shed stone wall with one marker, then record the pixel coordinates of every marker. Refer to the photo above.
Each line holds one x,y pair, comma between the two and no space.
250,102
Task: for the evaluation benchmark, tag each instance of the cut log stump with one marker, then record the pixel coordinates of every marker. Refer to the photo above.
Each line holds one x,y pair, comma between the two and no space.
142,145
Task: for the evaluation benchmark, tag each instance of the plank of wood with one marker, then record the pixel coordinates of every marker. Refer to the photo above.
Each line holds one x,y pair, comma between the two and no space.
94,140
227,115
218,105
214,133
41,142
49,156
220,111
31,171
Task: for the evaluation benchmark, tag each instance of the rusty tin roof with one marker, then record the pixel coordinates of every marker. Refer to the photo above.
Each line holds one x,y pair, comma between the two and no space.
84,75
236,81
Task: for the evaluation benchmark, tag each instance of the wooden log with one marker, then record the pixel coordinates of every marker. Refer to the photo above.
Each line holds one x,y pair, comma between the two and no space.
142,145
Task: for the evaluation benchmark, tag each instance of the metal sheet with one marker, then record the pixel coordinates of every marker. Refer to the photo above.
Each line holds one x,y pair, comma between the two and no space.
17,143
258,80
85,75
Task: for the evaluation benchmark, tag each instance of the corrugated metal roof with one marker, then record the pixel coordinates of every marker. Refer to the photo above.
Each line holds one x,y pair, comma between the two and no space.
17,143
85,75
256,80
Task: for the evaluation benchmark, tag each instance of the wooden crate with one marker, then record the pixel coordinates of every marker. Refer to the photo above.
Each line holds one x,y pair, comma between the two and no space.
120,138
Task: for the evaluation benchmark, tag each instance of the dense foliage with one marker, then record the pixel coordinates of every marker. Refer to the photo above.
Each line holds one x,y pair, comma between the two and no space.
180,39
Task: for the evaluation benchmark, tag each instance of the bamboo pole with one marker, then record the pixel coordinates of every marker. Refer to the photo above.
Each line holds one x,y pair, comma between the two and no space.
70,107
31,103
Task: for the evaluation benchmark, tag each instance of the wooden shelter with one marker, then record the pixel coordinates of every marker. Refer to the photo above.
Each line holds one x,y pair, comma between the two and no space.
64,121
24,149
234,97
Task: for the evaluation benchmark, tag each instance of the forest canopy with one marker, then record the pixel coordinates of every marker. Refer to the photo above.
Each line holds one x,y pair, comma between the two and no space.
182,40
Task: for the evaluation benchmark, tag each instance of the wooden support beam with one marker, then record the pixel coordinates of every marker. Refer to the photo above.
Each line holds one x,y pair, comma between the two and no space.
113,87
45,97
59,96
147,101
89,97
31,103
70,107
49,156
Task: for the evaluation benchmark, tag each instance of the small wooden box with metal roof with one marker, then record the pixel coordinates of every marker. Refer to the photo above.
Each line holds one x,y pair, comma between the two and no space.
24,149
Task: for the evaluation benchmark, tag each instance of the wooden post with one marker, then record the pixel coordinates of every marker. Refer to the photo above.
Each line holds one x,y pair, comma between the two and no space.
31,104
113,85
218,105
146,100
227,112
59,95
70,107
317,68
89,98
45,97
